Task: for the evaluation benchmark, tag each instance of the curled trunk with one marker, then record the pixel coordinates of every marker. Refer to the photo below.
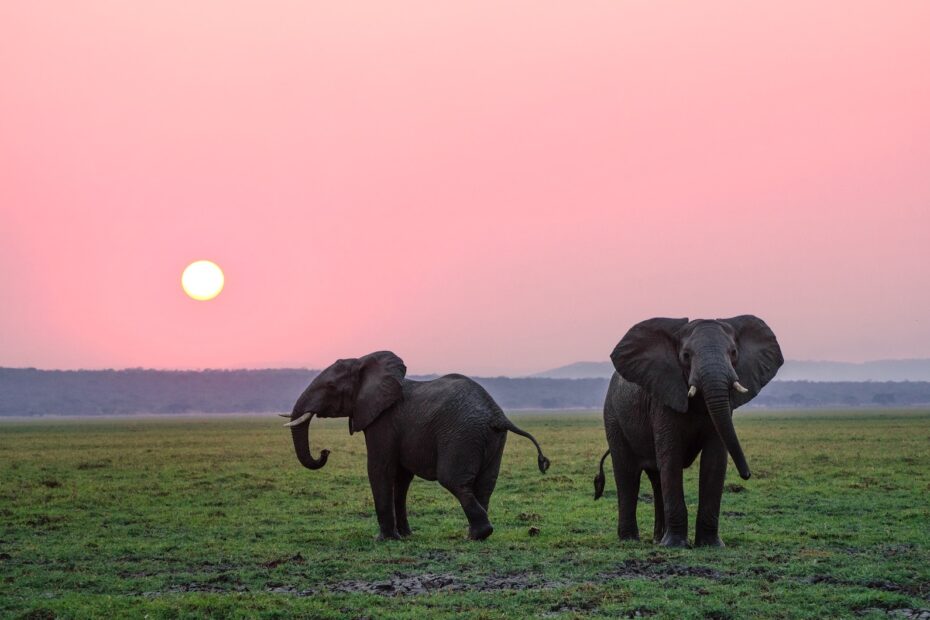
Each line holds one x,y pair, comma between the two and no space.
717,398
301,436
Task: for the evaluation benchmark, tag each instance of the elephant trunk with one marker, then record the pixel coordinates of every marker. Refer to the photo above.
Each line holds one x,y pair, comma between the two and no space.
717,398
301,436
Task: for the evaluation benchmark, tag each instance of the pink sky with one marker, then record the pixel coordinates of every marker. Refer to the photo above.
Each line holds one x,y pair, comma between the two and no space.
483,187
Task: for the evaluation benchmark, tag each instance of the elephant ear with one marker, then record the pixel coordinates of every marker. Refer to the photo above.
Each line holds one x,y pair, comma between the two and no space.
381,377
648,356
759,355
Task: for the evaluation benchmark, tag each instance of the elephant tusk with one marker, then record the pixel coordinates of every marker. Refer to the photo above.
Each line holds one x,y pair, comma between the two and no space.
285,415
739,387
301,419
691,392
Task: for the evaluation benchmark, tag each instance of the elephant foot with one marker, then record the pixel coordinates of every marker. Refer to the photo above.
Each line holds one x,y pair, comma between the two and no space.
628,535
404,531
674,540
480,532
708,541
657,533
395,535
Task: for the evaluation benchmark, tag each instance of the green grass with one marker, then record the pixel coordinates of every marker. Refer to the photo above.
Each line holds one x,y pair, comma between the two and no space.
202,517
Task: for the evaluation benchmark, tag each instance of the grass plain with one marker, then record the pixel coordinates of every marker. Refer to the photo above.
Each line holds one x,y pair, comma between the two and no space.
213,516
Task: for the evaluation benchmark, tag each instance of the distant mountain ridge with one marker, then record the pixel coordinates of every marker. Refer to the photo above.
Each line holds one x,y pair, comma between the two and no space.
793,370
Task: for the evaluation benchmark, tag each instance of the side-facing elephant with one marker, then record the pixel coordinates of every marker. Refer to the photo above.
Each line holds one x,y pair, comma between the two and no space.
448,429
672,397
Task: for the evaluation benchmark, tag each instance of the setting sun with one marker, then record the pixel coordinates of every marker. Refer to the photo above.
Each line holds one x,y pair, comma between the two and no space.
202,280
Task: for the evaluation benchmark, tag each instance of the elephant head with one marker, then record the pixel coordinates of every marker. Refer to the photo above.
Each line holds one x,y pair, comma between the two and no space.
727,361
358,388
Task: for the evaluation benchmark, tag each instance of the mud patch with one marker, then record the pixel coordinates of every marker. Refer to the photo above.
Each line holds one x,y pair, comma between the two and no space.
920,590
893,551
399,585
199,587
427,583
657,569
294,559
903,613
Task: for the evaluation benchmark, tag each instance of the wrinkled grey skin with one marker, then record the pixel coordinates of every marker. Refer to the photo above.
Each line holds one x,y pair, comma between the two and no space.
448,429
652,425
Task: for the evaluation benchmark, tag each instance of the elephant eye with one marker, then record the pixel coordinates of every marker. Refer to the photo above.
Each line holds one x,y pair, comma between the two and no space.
686,357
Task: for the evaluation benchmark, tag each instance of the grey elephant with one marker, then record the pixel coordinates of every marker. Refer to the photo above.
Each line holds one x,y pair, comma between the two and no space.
448,429
671,398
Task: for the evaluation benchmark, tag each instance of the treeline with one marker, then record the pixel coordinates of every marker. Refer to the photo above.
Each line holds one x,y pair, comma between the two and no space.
801,394
111,392
31,392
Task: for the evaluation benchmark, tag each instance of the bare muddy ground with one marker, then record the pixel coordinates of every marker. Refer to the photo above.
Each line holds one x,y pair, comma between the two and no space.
404,585
653,568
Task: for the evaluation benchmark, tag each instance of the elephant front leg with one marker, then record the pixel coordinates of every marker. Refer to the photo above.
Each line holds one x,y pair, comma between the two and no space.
713,473
658,530
381,475
402,484
673,504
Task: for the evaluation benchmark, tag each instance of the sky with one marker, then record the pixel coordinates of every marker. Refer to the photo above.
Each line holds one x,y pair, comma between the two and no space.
482,187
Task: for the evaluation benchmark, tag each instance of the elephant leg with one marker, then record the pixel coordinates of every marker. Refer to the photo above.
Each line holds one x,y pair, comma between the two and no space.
485,484
627,474
487,477
673,503
659,528
401,485
381,475
462,487
710,490
479,526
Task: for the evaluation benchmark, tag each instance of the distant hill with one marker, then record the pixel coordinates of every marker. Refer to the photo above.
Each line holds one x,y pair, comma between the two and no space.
881,370
578,370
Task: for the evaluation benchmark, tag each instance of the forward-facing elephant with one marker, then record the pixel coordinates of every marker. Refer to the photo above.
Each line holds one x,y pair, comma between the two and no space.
448,429
672,397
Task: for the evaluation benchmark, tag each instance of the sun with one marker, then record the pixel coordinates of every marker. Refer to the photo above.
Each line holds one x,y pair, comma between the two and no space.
202,280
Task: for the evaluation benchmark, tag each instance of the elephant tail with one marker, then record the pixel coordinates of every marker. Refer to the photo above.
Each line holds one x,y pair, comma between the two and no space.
599,478
541,460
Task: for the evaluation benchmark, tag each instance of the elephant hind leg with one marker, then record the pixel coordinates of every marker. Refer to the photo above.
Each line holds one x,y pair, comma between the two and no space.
463,488
459,471
487,477
479,526
659,530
